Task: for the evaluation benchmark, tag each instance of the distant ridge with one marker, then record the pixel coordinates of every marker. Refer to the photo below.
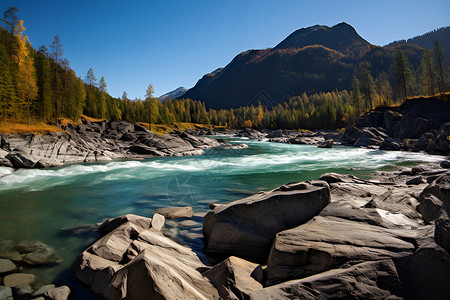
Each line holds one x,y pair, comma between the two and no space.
173,94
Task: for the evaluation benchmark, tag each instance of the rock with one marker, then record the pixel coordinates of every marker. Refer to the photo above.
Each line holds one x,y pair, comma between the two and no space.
418,169
59,293
189,223
42,290
18,279
19,160
23,292
151,266
5,292
335,177
429,207
143,149
7,266
246,227
415,180
440,187
8,250
233,278
442,232
366,280
445,164
327,242
42,256
158,221
326,144
390,144
111,224
175,212
113,245
425,274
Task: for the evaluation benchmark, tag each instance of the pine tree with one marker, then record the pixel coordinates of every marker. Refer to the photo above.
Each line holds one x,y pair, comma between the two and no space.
368,88
403,76
44,82
10,19
356,95
384,89
102,88
440,66
148,99
427,74
57,53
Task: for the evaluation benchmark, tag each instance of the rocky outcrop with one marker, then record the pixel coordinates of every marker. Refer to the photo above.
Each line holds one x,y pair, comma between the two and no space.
246,227
95,141
135,261
417,125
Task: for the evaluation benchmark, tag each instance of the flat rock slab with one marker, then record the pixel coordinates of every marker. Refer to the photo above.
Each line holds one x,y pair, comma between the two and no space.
59,293
176,212
246,228
368,280
325,243
18,279
7,266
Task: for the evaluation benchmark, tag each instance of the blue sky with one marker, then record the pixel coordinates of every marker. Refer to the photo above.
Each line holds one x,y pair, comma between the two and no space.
174,43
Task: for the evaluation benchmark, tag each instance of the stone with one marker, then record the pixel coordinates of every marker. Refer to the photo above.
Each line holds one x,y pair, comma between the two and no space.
5,292
440,187
246,228
442,232
18,279
59,293
326,144
327,242
445,164
111,224
175,212
366,280
7,266
390,144
233,278
158,221
8,250
415,180
113,245
23,292
430,207
42,256
42,290
19,160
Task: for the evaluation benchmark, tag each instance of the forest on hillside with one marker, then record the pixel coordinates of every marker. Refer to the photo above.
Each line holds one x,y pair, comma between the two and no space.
39,86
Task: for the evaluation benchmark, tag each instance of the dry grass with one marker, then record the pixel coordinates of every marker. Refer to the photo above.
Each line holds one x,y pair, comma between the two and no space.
92,119
163,128
35,127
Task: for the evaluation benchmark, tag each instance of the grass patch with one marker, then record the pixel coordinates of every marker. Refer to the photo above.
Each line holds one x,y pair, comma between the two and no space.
34,127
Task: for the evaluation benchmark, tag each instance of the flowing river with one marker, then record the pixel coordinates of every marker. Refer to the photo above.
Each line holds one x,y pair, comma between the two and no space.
47,204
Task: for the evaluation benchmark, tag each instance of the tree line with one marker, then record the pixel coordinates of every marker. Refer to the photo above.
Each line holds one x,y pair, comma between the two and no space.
40,85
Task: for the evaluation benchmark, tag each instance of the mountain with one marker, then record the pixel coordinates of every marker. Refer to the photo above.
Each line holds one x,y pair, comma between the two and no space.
426,40
173,94
311,60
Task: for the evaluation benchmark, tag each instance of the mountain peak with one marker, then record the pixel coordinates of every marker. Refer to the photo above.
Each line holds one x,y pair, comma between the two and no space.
173,94
341,37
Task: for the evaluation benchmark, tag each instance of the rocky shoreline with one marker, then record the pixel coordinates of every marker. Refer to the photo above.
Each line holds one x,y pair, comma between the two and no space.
340,236
96,142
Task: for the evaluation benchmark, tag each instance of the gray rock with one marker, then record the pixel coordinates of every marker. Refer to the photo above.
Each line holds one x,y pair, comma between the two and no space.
175,212
445,164
8,250
326,144
328,242
7,266
19,160
59,293
233,278
42,290
5,292
246,227
111,224
158,221
366,280
23,292
440,187
415,180
430,207
42,256
442,232
18,279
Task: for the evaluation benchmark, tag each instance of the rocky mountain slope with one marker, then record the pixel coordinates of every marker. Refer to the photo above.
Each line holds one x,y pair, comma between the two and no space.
311,60
179,92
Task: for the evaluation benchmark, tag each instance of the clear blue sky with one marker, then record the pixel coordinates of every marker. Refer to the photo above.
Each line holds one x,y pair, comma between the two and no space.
174,43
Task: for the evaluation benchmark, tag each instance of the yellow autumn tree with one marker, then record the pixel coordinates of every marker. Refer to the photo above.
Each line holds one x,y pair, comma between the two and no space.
26,74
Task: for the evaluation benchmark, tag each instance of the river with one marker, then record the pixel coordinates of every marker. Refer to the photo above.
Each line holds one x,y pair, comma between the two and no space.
45,204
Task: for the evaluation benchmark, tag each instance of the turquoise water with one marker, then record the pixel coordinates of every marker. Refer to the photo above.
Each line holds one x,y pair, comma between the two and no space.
44,204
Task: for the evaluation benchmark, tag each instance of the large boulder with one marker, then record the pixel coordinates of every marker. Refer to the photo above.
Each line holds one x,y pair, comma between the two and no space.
328,242
175,212
234,278
246,227
135,261
111,224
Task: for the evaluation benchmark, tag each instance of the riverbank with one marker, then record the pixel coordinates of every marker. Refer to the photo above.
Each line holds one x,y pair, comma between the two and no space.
386,237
